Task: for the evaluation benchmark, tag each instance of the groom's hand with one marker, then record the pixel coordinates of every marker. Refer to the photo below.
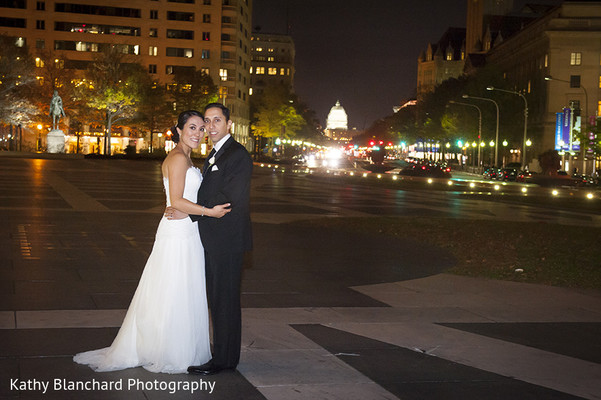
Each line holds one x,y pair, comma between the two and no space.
172,213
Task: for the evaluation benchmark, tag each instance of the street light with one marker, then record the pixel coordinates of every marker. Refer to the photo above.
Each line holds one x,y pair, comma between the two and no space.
465,96
525,120
479,123
550,78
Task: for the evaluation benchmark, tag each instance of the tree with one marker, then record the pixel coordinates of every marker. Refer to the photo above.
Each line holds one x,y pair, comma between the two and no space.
192,90
550,162
52,75
17,83
115,89
275,114
155,113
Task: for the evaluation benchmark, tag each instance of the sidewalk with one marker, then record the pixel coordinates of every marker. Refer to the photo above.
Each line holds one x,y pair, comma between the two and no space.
325,316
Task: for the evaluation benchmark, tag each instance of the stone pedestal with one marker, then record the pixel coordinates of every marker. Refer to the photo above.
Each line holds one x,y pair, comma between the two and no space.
55,141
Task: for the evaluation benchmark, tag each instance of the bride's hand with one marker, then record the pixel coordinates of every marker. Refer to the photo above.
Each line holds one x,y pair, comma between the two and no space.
172,213
220,210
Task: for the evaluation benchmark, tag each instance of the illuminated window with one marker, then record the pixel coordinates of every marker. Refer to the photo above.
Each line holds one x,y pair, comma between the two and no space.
575,58
205,54
260,70
154,32
599,81
223,74
287,71
449,56
205,71
39,62
599,108
282,71
270,59
250,92
251,71
272,71
153,51
20,42
546,60
270,50
259,49
529,86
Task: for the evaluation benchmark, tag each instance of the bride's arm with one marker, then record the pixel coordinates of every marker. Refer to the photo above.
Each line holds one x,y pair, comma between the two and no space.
176,170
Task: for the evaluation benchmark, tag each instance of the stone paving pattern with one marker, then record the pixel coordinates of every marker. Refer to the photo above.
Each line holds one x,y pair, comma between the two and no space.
325,315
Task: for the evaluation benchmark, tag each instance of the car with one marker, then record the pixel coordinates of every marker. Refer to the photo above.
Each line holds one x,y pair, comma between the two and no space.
583,180
490,173
426,170
508,174
524,176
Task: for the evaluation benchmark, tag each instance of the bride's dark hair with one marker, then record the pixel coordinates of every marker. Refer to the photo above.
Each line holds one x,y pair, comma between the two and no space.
181,121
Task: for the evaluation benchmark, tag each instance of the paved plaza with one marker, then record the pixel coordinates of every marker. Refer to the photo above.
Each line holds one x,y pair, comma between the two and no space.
326,315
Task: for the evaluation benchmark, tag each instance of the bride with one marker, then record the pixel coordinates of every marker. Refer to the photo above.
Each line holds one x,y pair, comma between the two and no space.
166,327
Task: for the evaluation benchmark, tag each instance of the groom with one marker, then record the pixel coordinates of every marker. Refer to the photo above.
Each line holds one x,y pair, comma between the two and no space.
226,179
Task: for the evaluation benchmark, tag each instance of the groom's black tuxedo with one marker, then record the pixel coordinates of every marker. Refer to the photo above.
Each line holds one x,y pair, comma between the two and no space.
225,240
227,181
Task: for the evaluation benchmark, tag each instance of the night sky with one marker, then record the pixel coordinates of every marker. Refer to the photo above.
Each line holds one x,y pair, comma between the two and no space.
363,53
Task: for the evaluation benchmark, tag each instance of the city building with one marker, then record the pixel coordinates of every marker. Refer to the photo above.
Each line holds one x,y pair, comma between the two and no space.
337,124
562,45
163,35
272,61
480,15
441,61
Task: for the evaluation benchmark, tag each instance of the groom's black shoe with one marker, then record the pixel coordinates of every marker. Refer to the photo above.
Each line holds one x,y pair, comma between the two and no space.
205,369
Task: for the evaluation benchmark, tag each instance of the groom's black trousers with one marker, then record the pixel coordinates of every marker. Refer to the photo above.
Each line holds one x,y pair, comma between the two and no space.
223,272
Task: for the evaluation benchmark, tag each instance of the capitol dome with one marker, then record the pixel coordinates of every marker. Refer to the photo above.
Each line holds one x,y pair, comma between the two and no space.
337,118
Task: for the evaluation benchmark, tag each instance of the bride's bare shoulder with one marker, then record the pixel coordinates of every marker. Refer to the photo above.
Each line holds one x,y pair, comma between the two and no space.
175,161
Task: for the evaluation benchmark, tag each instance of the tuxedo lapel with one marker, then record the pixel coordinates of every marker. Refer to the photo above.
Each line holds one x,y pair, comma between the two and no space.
223,148
205,167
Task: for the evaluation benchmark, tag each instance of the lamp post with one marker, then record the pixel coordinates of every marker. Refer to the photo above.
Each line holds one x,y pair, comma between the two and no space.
479,124
465,96
582,125
525,120
39,143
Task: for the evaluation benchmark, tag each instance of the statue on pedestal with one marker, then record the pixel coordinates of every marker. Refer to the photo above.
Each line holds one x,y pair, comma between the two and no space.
56,110
56,138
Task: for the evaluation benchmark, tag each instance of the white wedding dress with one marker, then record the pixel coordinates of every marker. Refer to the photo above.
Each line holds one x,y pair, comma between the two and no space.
166,328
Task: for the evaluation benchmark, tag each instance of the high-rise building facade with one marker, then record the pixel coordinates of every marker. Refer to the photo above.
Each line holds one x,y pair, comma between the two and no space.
272,61
162,35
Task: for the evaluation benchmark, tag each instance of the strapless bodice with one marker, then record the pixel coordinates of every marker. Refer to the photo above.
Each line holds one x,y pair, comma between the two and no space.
192,184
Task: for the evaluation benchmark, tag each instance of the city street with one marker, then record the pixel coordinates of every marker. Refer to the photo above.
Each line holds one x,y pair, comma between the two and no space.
325,315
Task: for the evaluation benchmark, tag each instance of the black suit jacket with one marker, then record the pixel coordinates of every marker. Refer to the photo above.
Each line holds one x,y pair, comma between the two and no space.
227,181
